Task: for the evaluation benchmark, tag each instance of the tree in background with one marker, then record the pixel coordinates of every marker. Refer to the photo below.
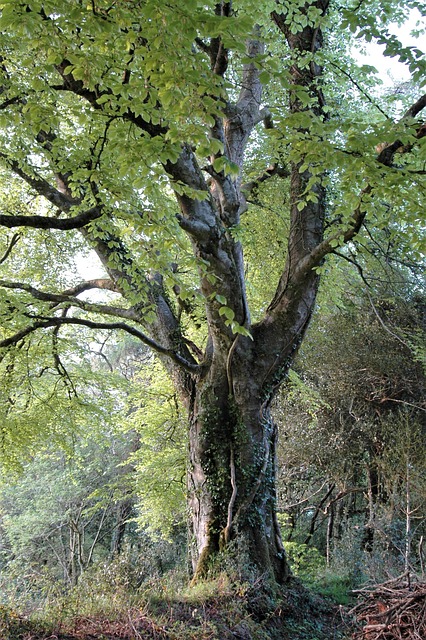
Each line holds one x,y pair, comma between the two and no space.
352,449
131,128
102,500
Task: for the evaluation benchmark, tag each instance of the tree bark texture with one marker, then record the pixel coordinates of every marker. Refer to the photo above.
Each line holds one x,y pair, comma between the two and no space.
232,478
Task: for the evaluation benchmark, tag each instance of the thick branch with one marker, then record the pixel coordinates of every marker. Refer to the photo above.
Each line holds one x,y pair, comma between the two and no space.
416,107
41,186
216,50
387,154
56,197
47,222
10,101
98,283
314,258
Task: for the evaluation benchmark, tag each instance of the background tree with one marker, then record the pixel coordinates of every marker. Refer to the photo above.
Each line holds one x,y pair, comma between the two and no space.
129,123
349,431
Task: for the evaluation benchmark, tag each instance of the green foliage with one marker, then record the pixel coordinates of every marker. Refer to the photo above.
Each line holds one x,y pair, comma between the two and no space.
334,587
59,514
351,430
48,396
305,561
100,103
104,604
160,460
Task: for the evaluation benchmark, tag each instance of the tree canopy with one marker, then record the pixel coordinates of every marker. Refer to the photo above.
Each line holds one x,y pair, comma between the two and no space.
212,155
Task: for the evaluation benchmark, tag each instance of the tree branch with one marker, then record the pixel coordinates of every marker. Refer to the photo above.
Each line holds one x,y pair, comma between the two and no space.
47,222
356,265
273,170
53,195
45,323
314,258
98,283
60,298
15,239
92,96
387,154
385,157
14,100
360,89
383,324
40,185
415,108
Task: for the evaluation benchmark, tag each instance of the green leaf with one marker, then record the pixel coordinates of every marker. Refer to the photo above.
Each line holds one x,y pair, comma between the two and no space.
227,312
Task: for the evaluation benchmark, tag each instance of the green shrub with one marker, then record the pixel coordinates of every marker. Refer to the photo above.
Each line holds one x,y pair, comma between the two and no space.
305,561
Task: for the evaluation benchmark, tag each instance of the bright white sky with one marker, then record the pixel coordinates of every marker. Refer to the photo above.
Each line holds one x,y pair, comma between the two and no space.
390,70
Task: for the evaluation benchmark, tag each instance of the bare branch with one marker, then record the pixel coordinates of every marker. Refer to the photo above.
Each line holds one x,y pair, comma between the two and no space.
63,373
66,298
387,154
360,89
98,283
44,323
12,243
56,197
356,264
383,324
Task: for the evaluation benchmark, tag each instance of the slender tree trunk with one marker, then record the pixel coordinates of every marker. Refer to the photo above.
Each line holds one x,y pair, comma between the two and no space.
330,529
373,490
122,512
408,513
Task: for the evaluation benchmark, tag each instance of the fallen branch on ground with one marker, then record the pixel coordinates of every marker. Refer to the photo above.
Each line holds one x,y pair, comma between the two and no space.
394,610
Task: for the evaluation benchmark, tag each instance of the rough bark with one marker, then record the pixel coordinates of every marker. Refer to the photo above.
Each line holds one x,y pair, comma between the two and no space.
232,435
232,478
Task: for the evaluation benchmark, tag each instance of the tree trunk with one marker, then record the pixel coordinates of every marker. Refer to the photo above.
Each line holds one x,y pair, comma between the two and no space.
232,477
330,530
122,512
373,492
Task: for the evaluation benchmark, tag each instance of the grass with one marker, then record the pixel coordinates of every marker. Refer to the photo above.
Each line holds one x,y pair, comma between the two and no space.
167,609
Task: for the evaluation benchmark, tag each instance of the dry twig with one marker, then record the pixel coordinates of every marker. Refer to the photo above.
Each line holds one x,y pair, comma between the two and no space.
393,610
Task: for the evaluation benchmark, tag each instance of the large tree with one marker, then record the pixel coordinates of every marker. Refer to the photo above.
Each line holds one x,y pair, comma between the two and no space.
163,135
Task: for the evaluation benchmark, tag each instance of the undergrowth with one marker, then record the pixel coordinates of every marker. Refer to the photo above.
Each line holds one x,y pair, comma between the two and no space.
106,606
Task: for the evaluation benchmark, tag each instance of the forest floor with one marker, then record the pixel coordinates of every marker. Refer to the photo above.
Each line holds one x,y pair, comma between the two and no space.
221,610
230,614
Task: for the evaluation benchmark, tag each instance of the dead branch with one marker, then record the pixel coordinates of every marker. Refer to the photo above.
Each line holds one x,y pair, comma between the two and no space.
393,610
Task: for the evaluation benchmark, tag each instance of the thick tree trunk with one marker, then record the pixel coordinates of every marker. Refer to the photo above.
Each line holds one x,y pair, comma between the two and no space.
232,480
